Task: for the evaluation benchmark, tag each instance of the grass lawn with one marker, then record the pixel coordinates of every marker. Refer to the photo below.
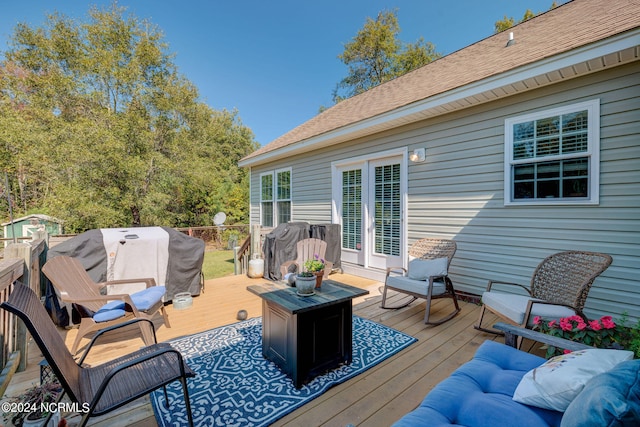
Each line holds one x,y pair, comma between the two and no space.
217,264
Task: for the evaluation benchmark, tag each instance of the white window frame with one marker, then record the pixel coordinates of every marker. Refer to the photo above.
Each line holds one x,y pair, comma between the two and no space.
275,196
592,153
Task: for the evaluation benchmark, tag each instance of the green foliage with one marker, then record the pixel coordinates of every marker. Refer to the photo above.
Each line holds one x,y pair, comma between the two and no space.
217,264
314,264
98,128
600,333
508,22
376,55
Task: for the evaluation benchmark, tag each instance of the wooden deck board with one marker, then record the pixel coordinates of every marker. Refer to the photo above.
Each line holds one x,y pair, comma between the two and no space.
377,397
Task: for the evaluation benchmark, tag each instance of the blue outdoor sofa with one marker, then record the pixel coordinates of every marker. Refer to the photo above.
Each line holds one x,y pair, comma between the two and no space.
480,392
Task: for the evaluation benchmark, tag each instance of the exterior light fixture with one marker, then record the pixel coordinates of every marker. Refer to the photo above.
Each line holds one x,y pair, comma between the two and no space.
418,155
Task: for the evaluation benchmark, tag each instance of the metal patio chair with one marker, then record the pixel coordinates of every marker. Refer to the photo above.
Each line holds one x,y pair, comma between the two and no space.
432,256
102,388
559,288
99,311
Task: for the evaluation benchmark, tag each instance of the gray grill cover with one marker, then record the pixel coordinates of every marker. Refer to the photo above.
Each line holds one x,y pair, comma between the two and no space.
280,245
184,266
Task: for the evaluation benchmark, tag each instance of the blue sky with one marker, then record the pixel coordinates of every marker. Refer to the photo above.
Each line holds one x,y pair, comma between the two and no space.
275,61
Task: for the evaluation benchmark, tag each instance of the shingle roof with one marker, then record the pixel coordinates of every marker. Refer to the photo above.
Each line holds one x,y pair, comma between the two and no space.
570,26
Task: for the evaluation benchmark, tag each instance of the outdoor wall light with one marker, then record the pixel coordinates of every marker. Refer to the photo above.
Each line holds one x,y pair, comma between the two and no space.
418,155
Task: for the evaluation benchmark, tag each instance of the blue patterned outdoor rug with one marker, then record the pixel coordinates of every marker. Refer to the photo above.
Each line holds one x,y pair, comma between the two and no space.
236,386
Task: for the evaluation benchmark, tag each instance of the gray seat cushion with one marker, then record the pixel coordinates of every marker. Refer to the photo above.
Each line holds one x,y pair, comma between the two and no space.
514,306
416,286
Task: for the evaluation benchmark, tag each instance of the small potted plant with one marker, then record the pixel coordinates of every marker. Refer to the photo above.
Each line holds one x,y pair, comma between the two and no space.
34,403
316,267
305,282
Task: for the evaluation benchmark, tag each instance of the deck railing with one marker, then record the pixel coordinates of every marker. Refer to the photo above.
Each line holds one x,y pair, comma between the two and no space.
22,261
252,246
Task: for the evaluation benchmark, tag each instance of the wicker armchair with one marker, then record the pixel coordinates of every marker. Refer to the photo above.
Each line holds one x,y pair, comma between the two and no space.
431,286
559,288
100,389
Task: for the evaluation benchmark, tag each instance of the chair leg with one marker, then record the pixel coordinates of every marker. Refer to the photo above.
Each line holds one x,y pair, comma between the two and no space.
384,305
479,326
83,329
166,396
185,392
165,316
450,316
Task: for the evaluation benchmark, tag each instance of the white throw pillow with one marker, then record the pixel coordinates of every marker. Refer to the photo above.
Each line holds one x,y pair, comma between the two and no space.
555,383
422,269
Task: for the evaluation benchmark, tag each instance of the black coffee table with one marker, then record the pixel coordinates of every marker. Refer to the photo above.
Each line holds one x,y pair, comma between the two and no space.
307,335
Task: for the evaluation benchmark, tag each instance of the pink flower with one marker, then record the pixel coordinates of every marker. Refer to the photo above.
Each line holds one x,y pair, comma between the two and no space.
537,320
581,325
566,351
566,326
552,323
607,322
595,325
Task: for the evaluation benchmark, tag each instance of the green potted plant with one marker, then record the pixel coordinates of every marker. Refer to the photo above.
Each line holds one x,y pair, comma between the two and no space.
315,266
32,406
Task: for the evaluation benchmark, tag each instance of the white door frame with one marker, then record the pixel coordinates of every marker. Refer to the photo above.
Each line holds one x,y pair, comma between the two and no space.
364,257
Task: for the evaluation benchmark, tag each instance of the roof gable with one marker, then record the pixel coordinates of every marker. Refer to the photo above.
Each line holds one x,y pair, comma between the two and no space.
537,40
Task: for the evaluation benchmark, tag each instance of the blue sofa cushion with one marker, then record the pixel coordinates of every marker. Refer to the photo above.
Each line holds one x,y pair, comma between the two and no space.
479,393
610,399
143,300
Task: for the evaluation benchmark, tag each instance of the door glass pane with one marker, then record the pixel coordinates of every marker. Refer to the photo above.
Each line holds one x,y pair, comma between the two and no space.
352,209
387,213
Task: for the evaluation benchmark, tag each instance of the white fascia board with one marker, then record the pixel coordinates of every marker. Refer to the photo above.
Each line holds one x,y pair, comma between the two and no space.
576,56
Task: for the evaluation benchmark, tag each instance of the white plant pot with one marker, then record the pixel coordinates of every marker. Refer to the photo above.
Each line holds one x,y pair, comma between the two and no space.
305,285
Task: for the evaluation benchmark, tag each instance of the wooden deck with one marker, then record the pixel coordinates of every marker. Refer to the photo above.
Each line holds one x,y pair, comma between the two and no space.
378,397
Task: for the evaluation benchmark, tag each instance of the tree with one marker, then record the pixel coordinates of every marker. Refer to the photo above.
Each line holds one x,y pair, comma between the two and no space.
376,55
98,128
507,22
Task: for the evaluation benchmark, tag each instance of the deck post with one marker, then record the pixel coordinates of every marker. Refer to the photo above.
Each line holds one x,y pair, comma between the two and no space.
256,251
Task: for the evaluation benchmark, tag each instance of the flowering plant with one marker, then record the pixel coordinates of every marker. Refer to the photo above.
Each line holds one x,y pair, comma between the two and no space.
315,264
600,333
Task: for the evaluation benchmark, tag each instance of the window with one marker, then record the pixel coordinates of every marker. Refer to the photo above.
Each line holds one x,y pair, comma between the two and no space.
275,197
352,209
283,199
553,156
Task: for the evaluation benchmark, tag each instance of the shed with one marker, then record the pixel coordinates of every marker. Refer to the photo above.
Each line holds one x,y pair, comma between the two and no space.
25,226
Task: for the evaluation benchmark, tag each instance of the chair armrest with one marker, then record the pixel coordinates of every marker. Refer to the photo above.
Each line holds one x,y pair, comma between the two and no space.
395,270
512,331
149,281
493,282
118,326
284,267
102,298
328,267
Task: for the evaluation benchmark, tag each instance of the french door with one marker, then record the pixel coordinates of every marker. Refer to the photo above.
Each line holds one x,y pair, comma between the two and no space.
370,203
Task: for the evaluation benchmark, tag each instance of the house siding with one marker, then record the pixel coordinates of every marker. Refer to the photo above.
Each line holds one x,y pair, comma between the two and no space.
458,191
